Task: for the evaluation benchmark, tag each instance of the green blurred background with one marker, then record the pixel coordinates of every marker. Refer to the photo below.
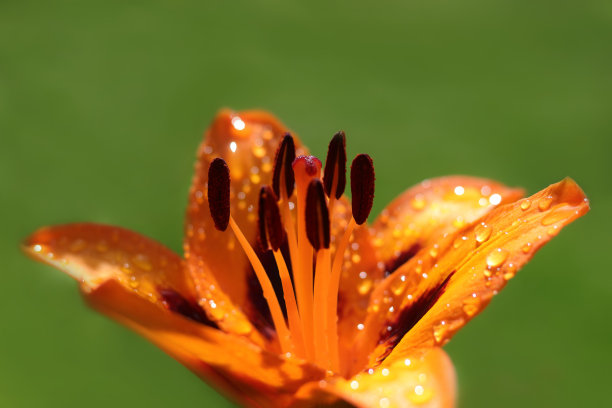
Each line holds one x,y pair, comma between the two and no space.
102,105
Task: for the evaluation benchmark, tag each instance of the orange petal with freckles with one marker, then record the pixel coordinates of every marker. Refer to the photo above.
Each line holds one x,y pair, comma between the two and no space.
470,267
94,254
231,363
425,380
247,141
425,212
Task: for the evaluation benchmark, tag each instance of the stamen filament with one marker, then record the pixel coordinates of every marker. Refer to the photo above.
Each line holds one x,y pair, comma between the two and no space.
305,169
289,225
284,336
303,275
320,306
332,304
295,325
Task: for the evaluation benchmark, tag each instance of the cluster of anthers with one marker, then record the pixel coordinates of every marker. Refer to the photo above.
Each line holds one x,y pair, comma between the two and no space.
309,271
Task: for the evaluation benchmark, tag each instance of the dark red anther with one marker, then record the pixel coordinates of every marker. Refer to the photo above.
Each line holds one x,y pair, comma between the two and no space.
219,193
317,216
362,187
335,166
285,155
271,232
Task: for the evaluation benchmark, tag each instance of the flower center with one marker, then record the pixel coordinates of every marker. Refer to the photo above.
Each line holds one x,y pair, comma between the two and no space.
311,294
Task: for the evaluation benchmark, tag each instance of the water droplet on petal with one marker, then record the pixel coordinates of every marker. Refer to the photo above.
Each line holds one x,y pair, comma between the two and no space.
433,252
439,331
495,199
365,286
384,402
418,203
525,205
497,258
78,245
483,232
545,203
471,305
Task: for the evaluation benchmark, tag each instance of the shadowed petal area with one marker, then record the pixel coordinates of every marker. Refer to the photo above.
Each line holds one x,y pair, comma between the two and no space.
425,380
247,141
464,271
94,254
242,370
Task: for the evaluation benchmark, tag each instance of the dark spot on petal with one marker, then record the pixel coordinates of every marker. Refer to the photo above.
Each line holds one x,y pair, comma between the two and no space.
393,264
408,317
176,303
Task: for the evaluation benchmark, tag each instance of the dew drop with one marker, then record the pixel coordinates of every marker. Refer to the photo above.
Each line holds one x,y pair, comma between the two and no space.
526,248
142,261
78,245
238,124
365,286
439,331
259,151
418,203
433,252
397,286
482,232
354,384
525,205
545,203
471,305
102,246
497,258
495,199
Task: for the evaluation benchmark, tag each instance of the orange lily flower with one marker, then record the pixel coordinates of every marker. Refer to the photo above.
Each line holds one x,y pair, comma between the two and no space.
286,297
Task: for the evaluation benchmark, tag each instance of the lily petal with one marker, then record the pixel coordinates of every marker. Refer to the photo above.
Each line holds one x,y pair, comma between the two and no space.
417,218
425,380
247,141
425,212
245,372
447,284
94,254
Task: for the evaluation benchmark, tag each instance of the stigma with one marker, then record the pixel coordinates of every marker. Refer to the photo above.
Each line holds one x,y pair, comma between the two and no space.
310,269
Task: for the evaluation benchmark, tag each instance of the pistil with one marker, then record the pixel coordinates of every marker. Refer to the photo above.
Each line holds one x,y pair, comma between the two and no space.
305,169
317,230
